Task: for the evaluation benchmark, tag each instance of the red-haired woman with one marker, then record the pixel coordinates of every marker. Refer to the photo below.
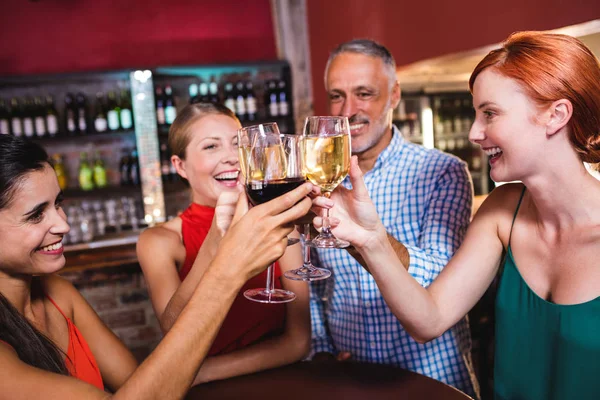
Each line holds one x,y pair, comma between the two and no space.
537,102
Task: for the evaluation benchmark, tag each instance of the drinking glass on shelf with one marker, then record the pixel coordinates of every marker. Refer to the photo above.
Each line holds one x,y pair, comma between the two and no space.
246,136
327,151
265,179
292,145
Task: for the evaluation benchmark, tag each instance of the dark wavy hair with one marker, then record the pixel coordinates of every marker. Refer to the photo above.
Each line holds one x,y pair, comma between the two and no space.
19,157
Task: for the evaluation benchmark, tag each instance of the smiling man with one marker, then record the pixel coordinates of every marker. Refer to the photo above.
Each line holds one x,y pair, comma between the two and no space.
424,199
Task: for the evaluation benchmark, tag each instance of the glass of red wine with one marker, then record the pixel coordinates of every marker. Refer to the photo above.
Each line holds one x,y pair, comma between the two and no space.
267,178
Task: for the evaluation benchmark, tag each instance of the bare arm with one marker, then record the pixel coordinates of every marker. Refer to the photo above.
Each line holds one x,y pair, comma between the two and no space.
292,345
170,370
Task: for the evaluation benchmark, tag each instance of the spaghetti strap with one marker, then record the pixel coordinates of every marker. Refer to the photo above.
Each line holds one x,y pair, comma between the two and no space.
57,307
515,216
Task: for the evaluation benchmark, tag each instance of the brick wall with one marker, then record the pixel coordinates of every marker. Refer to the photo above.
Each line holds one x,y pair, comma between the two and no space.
120,298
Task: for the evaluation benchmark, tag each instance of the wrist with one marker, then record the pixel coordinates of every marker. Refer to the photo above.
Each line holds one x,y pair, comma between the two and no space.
376,242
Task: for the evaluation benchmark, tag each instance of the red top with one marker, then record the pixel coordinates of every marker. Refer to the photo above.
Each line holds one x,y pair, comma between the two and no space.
247,321
80,361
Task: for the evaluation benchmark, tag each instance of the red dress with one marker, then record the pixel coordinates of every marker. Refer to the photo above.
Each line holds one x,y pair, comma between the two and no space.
247,322
80,361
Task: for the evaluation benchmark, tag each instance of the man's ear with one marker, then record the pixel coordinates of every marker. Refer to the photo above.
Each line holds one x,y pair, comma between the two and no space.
396,95
560,113
179,165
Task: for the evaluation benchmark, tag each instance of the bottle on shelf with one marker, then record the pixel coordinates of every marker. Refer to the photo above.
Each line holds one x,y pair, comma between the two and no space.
82,113
213,91
70,115
126,115
170,110
160,106
447,117
99,171
16,124
134,168
467,113
39,121
229,98
28,115
4,118
86,175
51,117
193,91
165,163
438,125
250,102
284,108
457,121
124,177
59,169
240,100
100,120
271,100
113,112
203,92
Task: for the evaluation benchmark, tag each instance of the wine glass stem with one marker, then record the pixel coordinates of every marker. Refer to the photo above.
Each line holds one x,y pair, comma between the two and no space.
307,263
270,286
326,228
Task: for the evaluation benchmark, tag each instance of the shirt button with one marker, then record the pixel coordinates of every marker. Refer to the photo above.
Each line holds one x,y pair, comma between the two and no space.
368,304
373,344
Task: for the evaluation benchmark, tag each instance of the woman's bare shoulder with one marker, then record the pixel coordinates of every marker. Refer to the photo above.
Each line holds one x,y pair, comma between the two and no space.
169,231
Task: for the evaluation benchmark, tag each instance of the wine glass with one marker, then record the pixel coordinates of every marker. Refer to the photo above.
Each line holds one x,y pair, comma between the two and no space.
266,178
292,145
246,137
327,151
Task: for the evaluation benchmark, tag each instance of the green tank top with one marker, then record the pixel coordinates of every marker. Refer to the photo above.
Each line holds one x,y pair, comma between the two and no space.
544,351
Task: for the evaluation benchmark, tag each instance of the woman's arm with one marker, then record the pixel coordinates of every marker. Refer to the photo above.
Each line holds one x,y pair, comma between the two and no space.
292,345
424,313
252,243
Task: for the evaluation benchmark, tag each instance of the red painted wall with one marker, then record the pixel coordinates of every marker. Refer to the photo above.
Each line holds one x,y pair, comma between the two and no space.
48,36
418,30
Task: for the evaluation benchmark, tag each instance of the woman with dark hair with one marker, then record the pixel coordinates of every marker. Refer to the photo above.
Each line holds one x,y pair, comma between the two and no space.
49,334
537,102
174,255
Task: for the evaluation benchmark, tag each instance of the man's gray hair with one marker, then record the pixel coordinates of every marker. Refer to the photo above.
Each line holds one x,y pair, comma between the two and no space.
366,47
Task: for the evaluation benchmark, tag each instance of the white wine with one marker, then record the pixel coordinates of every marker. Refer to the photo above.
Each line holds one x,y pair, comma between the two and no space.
326,160
243,153
267,163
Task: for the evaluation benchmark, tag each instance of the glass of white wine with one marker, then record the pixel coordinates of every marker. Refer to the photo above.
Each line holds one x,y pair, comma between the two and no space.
327,151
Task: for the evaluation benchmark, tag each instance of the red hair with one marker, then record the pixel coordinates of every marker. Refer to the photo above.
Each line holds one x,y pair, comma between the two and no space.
551,67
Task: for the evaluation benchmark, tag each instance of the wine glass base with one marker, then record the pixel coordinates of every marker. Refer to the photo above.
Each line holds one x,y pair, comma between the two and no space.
275,296
307,274
327,243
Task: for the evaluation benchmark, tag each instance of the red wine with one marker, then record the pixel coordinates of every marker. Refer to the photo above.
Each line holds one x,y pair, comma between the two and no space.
262,191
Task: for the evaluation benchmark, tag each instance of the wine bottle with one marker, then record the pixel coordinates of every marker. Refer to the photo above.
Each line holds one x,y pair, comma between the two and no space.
170,110
240,100
203,92
284,108
134,168
4,118
99,171
59,169
250,102
28,115
70,115
82,113
213,91
126,115
39,120
86,179
100,122
165,163
113,112
16,124
229,99
51,117
160,107
124,168
193,91
271,100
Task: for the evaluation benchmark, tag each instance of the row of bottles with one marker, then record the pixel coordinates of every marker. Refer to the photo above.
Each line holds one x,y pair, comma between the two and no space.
240,97
38,117
167,169
452,116
92,174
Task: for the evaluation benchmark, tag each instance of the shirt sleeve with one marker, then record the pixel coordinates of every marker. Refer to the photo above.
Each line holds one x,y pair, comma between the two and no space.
321,339
444,224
